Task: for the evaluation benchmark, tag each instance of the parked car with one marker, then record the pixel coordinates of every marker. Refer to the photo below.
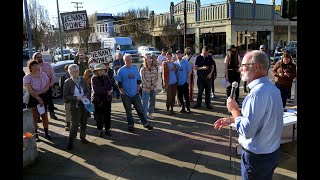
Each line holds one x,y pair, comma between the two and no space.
149,50
66,53
58,68
292,48
26,53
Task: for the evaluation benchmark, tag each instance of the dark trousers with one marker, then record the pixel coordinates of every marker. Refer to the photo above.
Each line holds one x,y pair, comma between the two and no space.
203,84
79,116
183,91
259,166
50,102
212,84
102,114
233,76
136,101
285,91
116,89
171,95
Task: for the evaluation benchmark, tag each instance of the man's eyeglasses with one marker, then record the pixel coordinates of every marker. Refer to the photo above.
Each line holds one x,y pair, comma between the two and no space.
248,64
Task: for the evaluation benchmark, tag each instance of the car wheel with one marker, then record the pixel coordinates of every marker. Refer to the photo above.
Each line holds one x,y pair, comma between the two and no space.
56,91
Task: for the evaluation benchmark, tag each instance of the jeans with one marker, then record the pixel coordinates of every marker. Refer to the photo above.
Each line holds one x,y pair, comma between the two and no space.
259,166
203,84
146,97
136,101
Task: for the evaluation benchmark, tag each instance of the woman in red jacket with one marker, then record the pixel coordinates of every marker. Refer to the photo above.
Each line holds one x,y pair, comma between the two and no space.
284,72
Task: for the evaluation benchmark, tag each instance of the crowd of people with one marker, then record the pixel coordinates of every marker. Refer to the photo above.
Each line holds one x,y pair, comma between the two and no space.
87,79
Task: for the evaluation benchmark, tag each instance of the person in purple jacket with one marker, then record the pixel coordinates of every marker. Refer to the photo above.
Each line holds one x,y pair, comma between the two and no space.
101,98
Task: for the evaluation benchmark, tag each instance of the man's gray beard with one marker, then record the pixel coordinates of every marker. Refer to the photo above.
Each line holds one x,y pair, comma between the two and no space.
245,77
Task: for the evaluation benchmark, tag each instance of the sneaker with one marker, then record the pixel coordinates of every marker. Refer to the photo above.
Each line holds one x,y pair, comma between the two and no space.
149,127
209,107
67,128
47,136
183,111
163,91
213,96
55,108
196,106
84,141
188,110
150,117
69,147
107,133
130,129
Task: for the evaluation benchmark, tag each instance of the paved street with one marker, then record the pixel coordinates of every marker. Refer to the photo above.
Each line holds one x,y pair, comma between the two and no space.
180,147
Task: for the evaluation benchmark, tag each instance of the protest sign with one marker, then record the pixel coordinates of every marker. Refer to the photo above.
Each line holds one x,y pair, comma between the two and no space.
103,55
74,21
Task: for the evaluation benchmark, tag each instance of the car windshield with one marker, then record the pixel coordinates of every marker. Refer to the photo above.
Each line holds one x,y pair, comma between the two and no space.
65,51
126,47
153,49
292,44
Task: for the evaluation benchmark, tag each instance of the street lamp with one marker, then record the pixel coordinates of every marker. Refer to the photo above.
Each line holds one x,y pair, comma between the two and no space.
247,35
179,28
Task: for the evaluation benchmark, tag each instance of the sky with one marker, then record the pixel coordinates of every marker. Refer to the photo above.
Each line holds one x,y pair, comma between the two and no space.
115,6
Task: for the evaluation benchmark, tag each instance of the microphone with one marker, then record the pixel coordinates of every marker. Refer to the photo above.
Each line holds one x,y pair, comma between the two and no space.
233,90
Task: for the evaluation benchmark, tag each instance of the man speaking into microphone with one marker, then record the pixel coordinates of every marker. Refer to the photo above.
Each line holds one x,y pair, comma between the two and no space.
260,122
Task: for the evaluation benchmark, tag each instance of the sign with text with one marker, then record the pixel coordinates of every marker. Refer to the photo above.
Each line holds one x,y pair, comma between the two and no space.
103,55
74,21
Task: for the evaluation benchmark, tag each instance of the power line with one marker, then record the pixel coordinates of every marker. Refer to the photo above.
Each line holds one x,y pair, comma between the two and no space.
77,5
116,5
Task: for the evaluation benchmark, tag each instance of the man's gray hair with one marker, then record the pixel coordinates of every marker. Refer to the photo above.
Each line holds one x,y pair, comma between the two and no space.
125,55
72,67
261,58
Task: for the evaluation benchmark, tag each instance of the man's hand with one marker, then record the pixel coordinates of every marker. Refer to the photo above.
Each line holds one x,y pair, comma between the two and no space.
232,105
209,76
222,122
204,67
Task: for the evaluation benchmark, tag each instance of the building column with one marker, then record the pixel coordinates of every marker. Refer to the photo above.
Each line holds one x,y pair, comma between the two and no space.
197,41
271,40
289,34
231,37
153,41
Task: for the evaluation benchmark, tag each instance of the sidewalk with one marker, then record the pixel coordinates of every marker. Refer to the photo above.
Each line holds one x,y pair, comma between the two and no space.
180,147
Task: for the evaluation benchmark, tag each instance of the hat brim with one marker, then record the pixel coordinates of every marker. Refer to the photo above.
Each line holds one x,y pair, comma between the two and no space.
99,69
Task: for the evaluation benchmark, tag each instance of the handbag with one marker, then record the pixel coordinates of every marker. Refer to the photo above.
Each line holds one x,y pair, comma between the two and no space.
26,95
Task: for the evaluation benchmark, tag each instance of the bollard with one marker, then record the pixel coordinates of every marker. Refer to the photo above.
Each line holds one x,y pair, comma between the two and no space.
30,151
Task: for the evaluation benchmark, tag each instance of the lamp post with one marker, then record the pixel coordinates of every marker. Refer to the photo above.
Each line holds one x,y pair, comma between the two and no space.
179,28
247,35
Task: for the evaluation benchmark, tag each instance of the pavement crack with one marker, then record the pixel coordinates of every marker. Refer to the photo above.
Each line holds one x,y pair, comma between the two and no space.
129,164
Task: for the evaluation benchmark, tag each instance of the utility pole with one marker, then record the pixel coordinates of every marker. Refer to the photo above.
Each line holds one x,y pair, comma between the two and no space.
28,29
77,5
185,23
60,34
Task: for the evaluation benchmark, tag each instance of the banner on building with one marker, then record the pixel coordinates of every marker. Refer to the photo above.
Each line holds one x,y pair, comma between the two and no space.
103,55
74,21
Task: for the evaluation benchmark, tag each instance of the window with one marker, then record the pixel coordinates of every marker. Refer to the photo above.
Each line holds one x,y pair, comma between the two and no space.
59,69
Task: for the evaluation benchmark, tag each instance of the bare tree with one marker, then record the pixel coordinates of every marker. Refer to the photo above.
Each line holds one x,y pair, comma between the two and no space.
170,34
39,23
86,36
136,24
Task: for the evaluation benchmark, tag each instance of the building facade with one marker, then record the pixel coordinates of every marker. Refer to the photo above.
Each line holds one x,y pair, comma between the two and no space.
219,25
